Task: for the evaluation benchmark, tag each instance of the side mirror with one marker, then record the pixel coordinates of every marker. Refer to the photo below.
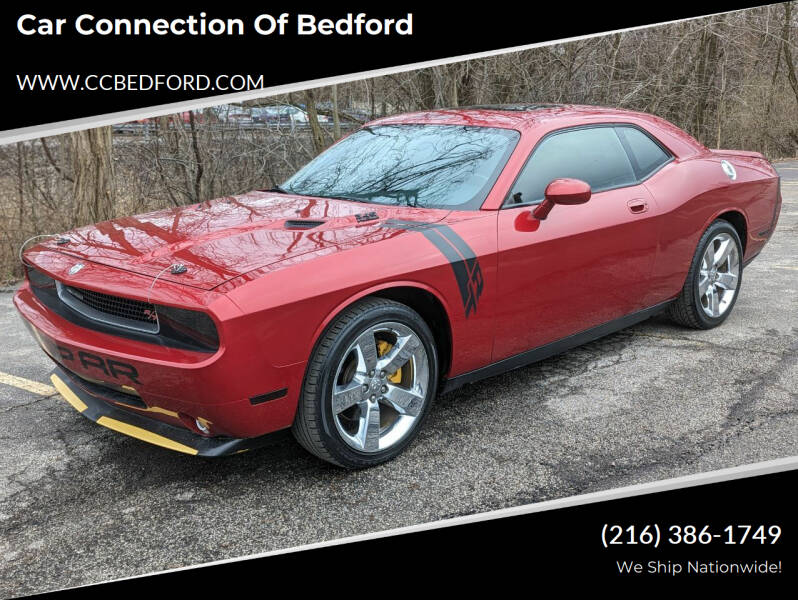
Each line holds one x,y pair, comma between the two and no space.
562,191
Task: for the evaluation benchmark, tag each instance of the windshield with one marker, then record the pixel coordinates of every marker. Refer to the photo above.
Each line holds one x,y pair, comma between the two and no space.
430,166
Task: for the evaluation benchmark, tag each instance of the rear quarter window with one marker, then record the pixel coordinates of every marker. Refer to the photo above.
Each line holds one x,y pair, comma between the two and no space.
646,155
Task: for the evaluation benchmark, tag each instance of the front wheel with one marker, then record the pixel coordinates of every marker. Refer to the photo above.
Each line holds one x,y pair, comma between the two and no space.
368,386
713,281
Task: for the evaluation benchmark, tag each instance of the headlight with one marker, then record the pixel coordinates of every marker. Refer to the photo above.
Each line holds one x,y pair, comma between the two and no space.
181,323
38,279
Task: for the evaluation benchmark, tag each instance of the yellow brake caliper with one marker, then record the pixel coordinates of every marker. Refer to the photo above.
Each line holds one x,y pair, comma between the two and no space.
383,348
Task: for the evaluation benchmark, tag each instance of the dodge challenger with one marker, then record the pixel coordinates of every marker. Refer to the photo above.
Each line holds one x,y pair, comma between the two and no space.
421,252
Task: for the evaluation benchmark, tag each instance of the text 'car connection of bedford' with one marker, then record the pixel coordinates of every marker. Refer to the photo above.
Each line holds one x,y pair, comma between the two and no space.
419,253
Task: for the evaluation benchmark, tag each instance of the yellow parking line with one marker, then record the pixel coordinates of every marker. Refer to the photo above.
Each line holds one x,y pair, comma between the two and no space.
27,384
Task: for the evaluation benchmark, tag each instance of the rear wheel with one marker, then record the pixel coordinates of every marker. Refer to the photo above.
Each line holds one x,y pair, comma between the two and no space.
368,386
714,279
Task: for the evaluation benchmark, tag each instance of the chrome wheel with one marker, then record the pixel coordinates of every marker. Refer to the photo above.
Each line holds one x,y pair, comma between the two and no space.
719,275
380,387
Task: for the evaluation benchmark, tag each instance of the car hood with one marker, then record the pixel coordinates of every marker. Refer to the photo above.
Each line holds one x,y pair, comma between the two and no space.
228,237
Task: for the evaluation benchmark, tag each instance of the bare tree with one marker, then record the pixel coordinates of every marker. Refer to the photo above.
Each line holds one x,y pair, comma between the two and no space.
92,175
786,45
313,121
335,114
728,80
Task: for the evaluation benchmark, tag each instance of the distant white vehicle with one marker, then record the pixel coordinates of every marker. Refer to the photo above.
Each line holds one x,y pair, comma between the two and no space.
228,113
286,115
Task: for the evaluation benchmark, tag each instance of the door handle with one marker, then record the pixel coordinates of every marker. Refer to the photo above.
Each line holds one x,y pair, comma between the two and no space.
637,206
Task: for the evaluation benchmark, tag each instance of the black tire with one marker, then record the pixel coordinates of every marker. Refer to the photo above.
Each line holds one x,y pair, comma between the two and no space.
314,427
686,309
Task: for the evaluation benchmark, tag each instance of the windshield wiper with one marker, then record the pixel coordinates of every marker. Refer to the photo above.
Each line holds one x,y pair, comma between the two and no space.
278,190
349,198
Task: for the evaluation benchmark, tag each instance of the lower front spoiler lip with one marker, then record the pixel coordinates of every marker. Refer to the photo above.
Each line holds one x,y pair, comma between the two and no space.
148,430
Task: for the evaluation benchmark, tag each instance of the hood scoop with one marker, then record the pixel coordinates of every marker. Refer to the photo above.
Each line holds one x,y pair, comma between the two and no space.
295,224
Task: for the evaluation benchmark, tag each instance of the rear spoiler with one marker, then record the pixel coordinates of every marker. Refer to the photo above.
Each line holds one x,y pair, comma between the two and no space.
741,153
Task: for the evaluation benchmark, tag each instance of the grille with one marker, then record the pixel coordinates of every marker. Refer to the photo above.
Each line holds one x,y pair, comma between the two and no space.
113,310
114,305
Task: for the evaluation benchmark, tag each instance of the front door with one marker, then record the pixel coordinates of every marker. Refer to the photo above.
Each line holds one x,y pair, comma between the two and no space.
584,265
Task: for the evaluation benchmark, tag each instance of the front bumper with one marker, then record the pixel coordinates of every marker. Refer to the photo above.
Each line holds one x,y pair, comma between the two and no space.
88,402
234,391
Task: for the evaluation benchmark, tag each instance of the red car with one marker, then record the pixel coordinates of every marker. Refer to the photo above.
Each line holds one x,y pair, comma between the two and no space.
421,252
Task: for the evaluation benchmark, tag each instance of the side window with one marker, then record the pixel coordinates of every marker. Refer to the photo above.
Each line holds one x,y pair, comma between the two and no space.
647,156
594,155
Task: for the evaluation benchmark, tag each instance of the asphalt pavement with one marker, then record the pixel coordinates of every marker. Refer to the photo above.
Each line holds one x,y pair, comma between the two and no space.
81,504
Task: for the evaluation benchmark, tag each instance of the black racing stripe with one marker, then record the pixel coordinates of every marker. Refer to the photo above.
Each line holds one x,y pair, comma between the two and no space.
474,280
462,259
458,242
455,261
403,224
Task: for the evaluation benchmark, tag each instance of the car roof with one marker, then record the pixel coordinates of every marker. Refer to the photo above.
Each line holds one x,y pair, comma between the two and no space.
526,116
505,115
